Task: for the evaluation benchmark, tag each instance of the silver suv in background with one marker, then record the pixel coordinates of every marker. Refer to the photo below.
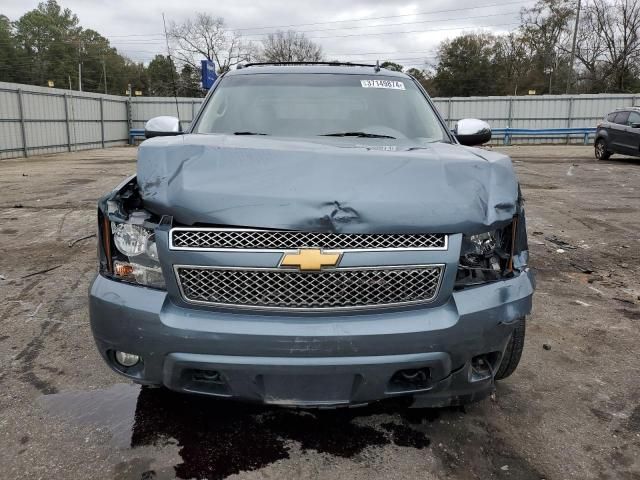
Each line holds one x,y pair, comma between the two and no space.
619,133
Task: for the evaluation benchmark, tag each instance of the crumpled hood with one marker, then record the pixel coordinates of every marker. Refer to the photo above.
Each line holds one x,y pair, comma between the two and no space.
329,185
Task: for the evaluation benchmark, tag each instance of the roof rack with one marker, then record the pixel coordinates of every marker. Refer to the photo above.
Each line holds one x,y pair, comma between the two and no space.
337,64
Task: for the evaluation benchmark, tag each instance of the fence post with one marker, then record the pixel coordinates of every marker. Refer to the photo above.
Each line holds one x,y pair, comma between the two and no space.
193,110
449,113
569,117
507,137
66,121
129,121
22,129
102,121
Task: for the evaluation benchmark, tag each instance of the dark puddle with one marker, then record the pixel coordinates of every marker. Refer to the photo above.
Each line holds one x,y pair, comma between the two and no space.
219,438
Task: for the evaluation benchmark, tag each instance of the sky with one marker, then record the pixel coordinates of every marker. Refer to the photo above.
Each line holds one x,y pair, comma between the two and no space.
350,30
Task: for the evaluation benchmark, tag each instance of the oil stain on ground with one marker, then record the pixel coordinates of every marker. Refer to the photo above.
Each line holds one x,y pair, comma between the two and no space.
219,438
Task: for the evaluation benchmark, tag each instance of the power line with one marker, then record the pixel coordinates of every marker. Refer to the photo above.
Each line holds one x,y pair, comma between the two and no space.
143,41
328,22
401,32
378,25
499,4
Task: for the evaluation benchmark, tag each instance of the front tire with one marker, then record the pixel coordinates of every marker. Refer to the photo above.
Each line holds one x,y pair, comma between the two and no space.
601,150
513,352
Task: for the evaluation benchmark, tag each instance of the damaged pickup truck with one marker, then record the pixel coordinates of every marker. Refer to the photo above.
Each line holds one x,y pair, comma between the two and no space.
317,237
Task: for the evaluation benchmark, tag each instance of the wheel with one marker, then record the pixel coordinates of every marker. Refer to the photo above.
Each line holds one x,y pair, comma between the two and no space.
512,354
601,149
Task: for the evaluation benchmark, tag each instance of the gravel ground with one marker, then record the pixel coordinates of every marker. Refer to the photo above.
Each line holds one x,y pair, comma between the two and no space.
571,410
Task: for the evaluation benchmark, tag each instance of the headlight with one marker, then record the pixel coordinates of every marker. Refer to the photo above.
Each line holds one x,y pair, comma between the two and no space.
483,258
482,250
135,259
130,240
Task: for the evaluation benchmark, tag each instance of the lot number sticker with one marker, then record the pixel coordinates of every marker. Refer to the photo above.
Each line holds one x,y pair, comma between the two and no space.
390,84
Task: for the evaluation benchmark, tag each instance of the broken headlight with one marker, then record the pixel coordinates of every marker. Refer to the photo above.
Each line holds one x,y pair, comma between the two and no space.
135,255
484,257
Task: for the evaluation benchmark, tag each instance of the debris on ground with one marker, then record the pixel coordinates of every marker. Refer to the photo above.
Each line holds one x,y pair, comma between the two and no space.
39,272
583,269
561,243
77,240
624,300
546,346
581,303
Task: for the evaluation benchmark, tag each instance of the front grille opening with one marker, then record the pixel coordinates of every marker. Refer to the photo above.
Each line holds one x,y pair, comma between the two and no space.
289,289
217,238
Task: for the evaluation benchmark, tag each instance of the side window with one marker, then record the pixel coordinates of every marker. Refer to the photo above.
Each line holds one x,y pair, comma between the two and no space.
611,117
634,117
621,118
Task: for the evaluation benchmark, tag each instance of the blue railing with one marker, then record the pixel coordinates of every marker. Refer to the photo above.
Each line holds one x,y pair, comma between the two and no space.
508,133
135,133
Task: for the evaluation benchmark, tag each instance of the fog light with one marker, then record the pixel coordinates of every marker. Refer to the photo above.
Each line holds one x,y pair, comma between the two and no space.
127,359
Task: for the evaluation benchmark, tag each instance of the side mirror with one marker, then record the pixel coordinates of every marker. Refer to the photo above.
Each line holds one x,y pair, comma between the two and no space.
471,131
635,125
163,126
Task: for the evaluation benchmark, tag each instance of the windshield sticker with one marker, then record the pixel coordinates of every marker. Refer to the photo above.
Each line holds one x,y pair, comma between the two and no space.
390,84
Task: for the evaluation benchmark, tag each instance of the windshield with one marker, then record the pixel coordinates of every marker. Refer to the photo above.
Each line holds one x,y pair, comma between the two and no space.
311,105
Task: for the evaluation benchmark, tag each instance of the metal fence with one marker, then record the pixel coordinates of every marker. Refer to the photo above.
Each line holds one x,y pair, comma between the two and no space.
144,108
535,111
37,120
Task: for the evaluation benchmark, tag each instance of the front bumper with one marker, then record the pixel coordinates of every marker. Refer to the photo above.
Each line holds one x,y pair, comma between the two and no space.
301,360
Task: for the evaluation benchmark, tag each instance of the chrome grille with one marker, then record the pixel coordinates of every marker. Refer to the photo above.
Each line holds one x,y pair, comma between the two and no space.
292,289
212,238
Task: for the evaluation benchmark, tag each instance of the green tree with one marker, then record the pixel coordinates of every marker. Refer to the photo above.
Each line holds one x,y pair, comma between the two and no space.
396,67
10,54
189,82
162,76
49,37
424,78
466,66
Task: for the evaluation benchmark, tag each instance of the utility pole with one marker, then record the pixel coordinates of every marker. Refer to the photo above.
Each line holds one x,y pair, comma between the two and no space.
79,65
104,74
573,49
173,76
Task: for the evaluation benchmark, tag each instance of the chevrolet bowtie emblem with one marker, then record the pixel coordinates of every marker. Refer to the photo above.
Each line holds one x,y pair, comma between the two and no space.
310,259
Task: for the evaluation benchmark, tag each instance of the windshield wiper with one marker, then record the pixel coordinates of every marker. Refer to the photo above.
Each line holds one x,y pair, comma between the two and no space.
356,134
249,133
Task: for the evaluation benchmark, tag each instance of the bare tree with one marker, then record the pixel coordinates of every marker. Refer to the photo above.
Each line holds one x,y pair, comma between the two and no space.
546,31
290,46
589,53
207,37
613,45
